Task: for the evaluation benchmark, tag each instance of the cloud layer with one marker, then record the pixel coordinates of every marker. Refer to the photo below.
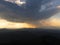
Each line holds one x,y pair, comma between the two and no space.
30,12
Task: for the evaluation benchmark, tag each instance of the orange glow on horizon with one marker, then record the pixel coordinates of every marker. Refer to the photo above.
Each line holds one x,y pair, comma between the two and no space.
55,22
14,25
51,22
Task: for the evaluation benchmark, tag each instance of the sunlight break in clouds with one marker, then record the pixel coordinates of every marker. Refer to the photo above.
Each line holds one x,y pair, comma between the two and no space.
18,2
51,22
54,22
14,25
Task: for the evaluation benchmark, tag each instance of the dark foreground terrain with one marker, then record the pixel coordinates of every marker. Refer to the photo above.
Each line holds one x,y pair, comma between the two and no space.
29,36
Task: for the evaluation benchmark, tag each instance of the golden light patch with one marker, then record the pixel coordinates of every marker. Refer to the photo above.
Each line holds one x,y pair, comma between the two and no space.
55,22
14,25
19,2
51,22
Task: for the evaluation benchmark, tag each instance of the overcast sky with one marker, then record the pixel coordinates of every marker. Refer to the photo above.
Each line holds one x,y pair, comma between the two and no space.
40,13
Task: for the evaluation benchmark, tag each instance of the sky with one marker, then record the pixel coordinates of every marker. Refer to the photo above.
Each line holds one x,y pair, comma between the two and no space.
29,14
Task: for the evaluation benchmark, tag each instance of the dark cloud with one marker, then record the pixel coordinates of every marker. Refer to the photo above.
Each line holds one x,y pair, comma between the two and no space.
28,12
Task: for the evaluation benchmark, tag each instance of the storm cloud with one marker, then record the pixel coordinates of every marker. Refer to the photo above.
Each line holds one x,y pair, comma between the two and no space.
31,11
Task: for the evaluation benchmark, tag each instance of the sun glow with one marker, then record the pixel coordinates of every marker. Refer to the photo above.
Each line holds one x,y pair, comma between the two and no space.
14,25
55,22
51,22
